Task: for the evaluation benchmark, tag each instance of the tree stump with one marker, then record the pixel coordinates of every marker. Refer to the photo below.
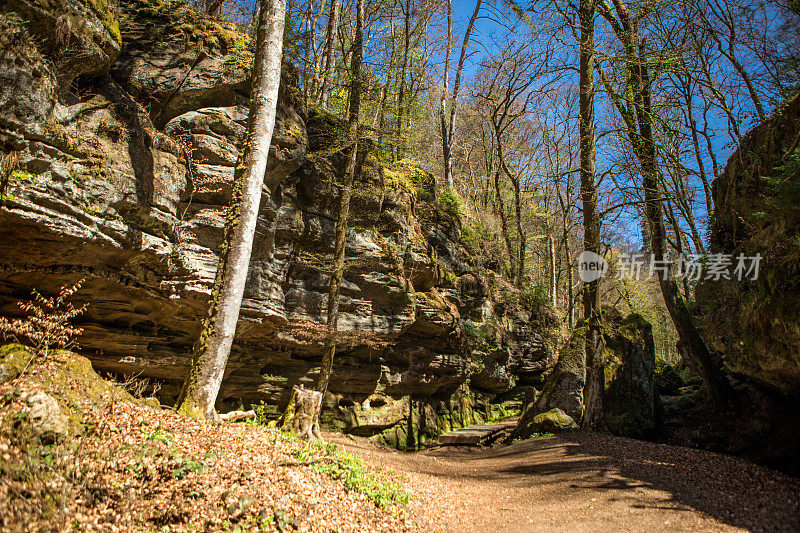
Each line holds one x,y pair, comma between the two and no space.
302,413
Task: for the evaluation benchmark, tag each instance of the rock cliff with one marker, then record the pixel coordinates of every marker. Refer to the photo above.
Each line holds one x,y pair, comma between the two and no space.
755,323
125,165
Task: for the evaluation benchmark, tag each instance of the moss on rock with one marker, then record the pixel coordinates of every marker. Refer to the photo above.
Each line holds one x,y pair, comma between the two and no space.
552,421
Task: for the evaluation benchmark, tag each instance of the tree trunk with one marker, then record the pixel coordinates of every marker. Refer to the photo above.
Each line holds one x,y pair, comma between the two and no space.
690,339
593,390
330,56
451,121
551,259
214,7
639,128
401,93
344,210
447,164
519,272
501,211
211,351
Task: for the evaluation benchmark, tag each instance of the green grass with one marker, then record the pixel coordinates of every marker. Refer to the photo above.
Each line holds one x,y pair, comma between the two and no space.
354,473
533,436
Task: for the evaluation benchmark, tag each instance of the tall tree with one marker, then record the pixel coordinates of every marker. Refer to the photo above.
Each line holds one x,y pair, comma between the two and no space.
448,121
593,416
636,109
211,351
337,273
330,56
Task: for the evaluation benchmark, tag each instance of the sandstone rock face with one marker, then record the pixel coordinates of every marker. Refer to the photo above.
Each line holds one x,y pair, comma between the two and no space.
630,392
755,324
127,188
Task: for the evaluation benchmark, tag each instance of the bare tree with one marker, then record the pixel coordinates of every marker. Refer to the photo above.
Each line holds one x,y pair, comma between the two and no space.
448,120
330,56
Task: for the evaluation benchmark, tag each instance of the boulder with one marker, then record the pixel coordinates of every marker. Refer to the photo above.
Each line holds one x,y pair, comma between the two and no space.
563,390
564,387
47,420
80,37
552,421
630,400
754,322
667,379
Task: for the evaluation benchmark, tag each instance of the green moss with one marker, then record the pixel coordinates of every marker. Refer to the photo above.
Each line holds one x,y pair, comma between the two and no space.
553,420
407,175
23,175
70,380
14,358
110,22
451,203
91,169
239,54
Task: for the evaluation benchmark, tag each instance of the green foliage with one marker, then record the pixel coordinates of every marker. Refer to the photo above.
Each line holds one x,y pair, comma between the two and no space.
354,473
666,377
407,175
185,466
532,436
785,182
239,54
473,234
295,41
262,413
480,337
535,295
451,203
160,435
23,175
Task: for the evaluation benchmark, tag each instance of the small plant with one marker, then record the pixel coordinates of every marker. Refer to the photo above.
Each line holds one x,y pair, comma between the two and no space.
473,235
354,473
136,386
452,203
48,324
8,164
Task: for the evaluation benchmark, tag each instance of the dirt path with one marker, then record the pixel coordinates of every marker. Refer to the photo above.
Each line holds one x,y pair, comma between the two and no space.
589,482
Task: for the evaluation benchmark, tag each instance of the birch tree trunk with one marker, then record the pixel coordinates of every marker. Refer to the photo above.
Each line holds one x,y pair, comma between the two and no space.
211,351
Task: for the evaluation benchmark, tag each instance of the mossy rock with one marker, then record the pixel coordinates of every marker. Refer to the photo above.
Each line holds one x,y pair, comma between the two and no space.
668,381
552,421
14,358
70,379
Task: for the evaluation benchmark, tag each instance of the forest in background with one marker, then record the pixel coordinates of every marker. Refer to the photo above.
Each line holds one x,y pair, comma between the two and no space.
486,97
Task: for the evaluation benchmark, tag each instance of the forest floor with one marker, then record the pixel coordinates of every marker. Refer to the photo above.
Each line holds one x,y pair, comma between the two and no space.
582,481
128,465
